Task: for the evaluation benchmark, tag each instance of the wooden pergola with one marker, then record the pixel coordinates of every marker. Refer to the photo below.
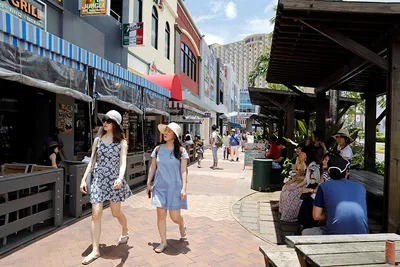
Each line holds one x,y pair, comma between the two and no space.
284,107
346,46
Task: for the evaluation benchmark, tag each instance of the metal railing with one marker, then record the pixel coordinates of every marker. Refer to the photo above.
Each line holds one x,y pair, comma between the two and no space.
28,200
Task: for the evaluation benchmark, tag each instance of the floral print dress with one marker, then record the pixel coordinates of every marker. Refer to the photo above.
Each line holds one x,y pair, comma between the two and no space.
106,171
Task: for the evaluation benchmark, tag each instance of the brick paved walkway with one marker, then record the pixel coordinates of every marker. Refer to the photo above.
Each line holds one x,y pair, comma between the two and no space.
214,237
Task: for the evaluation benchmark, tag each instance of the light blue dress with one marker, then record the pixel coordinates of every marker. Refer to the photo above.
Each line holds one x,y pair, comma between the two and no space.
168,180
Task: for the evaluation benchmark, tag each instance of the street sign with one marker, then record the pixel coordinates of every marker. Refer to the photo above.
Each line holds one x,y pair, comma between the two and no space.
95,7
132,34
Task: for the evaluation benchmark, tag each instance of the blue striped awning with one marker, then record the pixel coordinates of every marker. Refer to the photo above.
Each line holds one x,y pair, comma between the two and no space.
25,35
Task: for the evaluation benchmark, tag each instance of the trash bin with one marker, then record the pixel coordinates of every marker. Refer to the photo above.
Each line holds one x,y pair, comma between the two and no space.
261,174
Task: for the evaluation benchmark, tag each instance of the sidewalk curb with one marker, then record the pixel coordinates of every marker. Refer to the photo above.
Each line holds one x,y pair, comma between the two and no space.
248,230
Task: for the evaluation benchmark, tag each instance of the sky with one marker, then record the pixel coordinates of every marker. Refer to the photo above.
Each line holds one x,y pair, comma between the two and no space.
226,21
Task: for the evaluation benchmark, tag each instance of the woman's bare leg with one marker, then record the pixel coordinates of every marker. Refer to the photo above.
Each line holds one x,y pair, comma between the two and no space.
162,224
95,228
117,213
176,217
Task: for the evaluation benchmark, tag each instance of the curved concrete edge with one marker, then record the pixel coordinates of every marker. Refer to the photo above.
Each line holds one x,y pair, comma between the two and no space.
238,221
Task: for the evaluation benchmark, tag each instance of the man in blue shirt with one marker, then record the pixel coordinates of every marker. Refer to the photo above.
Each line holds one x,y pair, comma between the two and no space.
341,202
235,142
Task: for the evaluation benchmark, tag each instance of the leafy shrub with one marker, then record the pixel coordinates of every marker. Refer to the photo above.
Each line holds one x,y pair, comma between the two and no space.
380,167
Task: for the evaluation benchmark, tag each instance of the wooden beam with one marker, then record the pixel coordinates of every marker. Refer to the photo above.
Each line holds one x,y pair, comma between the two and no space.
273,102
392,151
343,111
345,7
320,107
370,133
349,44
301,94
354,67
380,117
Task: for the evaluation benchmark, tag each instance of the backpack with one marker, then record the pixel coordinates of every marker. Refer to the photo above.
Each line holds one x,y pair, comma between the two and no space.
219,141
244,138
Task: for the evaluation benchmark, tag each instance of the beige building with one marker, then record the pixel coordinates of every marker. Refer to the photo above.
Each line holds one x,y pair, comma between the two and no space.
242,55
158,50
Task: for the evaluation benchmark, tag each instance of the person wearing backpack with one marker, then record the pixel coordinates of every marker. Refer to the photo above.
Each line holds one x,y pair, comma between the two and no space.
244,140
169,169
235,143
215,143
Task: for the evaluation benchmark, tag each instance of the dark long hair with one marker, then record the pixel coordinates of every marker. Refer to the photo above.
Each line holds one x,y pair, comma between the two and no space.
118,135
177,148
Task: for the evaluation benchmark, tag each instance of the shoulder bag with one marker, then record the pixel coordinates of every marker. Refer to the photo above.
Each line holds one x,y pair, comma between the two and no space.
89,178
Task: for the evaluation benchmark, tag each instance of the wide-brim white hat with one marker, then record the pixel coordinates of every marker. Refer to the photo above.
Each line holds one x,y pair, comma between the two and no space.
173,126
112,115
344,133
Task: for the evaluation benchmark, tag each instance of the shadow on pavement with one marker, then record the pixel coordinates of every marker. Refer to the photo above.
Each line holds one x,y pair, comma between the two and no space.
114,252
175,247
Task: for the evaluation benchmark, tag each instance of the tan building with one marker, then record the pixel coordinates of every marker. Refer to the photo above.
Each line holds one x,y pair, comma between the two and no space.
158,50
242,55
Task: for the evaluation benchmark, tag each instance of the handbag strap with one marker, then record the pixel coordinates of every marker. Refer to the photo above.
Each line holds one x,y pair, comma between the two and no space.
94,157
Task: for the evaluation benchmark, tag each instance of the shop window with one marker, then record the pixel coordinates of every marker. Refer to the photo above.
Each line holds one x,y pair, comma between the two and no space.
138,8
116,10
154,28
167,40
188,62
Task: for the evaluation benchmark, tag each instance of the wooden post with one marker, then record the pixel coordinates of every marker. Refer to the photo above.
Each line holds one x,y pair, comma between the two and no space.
333,105
280,123
370,132
392,151
290,126
271,128
320,108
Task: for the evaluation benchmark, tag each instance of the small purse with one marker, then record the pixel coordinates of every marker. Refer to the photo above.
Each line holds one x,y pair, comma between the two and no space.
90,174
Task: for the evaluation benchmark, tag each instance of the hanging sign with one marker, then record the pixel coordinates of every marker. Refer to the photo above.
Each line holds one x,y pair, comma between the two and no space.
159,3
132,34
32,11
95,7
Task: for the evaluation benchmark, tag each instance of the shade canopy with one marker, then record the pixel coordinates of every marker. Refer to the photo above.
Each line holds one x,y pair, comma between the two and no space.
171,82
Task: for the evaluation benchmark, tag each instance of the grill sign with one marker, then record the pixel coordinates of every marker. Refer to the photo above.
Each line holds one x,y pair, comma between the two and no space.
32,11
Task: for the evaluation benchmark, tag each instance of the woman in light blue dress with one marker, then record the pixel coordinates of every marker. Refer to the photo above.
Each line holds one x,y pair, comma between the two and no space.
169,169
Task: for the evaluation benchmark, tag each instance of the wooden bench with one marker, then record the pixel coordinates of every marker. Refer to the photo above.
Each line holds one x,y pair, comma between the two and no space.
281,256
372,182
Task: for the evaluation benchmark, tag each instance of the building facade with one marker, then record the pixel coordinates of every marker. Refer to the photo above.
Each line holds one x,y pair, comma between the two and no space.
242,55
156,55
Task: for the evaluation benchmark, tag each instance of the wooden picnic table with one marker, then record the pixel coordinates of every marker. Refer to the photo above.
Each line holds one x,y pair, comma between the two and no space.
342,250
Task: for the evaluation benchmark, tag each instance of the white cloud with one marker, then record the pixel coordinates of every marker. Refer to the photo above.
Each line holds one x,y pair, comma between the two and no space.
270,7
231,10
216,6
256,25
212,39
203,18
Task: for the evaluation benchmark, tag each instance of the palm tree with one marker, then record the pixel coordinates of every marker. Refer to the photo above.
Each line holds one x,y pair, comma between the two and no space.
272,20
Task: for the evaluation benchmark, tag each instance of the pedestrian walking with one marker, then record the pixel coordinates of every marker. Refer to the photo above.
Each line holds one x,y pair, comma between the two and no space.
226,145
215,143
244,140
107,165
169,169
200,153
234,142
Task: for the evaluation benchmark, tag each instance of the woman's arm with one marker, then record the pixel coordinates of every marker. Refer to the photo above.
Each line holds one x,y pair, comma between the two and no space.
152,170
53,158
89,166
122,163
184,162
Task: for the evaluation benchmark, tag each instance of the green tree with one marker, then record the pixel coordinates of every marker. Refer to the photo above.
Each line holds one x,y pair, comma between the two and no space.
272,20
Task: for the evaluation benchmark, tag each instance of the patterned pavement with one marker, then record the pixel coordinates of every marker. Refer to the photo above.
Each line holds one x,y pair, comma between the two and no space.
214,237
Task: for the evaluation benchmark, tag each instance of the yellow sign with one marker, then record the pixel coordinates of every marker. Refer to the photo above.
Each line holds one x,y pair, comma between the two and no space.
95,7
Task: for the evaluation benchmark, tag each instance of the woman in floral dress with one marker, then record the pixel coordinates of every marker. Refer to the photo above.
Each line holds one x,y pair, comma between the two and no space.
108,165
290,202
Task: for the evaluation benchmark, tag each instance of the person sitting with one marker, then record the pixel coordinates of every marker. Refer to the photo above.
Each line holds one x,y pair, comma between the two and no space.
343,139
188,139
318,146
49,155
278,163
274,152
340,202
289,201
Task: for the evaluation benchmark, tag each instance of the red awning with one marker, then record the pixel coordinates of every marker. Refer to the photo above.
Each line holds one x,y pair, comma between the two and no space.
171,82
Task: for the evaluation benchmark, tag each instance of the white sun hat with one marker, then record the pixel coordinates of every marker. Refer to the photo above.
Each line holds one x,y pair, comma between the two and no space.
112,115
173,126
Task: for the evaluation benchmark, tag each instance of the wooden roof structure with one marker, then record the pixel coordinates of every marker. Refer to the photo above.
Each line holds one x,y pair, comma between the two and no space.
330,44
349,46
272,101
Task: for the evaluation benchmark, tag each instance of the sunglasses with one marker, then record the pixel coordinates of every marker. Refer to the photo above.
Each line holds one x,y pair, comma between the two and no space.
108,121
